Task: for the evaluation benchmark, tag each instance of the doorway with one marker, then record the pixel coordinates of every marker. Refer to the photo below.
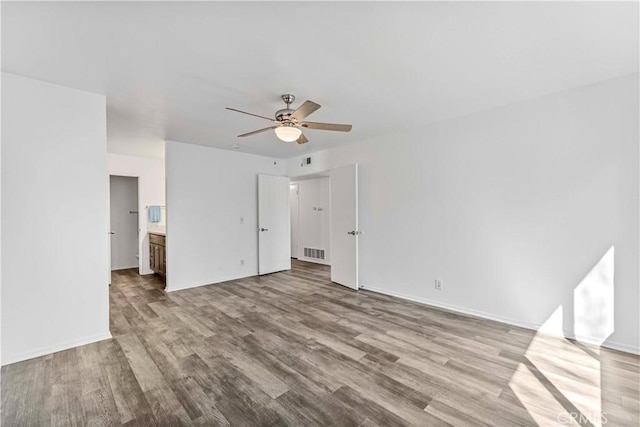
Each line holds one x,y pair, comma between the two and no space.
124,212
324,220
310,208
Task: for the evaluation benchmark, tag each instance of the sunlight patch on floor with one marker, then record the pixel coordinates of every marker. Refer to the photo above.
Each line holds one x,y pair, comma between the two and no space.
559,383
536,399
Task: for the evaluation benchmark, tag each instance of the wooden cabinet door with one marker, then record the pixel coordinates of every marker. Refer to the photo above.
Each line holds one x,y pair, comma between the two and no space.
162,267
152,256
157,254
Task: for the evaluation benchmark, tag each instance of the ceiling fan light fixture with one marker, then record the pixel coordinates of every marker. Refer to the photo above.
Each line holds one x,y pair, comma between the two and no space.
288,132
287,121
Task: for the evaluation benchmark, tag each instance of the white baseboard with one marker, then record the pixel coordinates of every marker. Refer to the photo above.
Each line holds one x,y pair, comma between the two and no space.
53,349
509,321
124,268
216,280
314,260
144,271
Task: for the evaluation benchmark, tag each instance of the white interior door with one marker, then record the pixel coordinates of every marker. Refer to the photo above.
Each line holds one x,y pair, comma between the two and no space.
274,242
110,233
293,197
344,226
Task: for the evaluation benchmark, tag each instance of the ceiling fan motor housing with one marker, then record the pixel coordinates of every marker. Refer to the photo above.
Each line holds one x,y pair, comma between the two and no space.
284,114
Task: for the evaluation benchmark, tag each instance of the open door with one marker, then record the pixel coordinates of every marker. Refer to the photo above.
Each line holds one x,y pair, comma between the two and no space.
274,241
344,226
294,201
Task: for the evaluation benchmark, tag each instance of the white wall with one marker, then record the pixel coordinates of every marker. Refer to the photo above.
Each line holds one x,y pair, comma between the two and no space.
151,191
208,191
511,207
54,218
314,217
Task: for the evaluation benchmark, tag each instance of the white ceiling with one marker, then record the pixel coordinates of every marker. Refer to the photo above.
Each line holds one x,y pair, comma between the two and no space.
168,69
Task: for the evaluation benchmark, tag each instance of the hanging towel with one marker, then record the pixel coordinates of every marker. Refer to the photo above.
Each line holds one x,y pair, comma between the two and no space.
154,213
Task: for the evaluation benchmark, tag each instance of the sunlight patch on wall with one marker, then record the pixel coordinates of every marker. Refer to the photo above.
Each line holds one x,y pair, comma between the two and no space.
593,302
553,325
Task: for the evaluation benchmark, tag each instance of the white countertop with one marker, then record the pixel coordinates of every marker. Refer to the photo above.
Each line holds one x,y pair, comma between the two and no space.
157,230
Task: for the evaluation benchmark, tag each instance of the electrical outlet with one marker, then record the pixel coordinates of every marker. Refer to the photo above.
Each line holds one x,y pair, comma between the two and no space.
242,262
438,284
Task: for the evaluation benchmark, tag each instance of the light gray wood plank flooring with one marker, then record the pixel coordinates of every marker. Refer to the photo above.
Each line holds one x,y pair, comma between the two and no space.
292,348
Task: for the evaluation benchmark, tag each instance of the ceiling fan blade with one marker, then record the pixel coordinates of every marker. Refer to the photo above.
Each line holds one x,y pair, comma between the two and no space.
251,114
257,131
302,139
304,110
326,126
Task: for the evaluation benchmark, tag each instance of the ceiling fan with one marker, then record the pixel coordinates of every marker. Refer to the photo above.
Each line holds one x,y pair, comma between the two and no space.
289,121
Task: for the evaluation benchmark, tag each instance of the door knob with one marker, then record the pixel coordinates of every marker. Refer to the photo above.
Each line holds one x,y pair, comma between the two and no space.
354,233
263,229
112,232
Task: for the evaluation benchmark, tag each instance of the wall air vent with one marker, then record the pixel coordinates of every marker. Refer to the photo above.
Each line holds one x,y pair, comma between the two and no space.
314,253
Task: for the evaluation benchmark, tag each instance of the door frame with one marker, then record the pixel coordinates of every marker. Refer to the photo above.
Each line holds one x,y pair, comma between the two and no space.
327,173
140,233
295,253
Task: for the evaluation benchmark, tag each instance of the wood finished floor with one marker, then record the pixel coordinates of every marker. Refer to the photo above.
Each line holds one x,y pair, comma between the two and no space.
294,349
